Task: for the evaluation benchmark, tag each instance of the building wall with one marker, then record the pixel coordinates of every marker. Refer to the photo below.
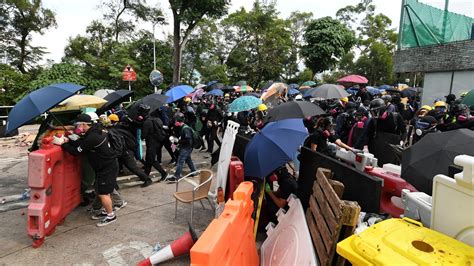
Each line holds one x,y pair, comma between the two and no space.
438,58
438,84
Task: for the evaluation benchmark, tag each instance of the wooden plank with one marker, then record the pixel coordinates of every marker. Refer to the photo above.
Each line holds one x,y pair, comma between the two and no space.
321,224
326,172
338,187
332,219
328,192
350,213
321,253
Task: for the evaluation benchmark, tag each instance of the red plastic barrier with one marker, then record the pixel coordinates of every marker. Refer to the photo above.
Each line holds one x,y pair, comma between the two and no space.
392,186
236,176
54,177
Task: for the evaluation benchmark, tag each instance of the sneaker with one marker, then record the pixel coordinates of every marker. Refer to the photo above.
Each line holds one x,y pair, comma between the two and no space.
171,179
118,207
147,183
173,161
107,220
99,216
163,178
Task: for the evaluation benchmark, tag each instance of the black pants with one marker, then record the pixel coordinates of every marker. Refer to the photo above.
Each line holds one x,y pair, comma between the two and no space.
127,159
152,147
211,136
106,178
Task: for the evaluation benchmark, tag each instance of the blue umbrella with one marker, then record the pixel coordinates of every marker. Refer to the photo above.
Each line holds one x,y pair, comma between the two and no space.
352,90
293,86
293,91
272,147
244,103
215,92
178,92
373,91
210,83
385,87
38,102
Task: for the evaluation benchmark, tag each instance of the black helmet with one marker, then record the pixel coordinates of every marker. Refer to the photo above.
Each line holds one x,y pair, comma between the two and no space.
377,104
143,109
350,106
387,98
459,109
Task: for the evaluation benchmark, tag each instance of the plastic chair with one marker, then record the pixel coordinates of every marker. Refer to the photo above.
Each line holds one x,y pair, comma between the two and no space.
199,192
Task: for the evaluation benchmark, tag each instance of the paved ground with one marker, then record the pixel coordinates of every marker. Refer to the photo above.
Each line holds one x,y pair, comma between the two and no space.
147,219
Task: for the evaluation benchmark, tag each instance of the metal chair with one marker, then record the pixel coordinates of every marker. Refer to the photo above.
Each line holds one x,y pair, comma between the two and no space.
199,192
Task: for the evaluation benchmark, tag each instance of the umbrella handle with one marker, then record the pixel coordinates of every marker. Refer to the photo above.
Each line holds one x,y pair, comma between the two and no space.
57,120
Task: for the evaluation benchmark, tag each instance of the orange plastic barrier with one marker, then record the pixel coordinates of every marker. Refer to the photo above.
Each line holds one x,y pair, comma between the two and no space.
54,177
229,239
236,176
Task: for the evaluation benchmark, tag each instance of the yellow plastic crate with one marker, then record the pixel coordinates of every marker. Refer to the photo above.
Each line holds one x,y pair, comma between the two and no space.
404,242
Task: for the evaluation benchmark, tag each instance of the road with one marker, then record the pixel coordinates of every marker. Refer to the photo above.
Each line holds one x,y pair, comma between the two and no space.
146,220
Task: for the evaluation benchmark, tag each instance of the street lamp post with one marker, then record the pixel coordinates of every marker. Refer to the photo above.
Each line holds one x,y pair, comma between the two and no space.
158,20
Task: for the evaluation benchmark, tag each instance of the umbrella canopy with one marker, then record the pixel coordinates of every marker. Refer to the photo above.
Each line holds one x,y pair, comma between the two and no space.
469,98
293,91
197,94
352,90
115,98
300,109
38,102
293,86
241,83
433,155
385,87
77,102
327,91
373,91
199,86
254,94
277,89
409,92
215,92
309,83
244,103
153,100
353,79
178,92
102,93
244,88
214,86
272,148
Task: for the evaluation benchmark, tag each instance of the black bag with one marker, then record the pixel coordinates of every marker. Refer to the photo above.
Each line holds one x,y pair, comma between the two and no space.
197,140
117,143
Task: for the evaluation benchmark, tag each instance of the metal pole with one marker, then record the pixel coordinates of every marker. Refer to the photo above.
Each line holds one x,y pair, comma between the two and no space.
445,18
154,51
130,88
400,28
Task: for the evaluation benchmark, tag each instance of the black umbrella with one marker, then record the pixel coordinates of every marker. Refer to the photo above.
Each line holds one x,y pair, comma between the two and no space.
214,86
327,91
433,155
153,100
113,99
293,109
408,92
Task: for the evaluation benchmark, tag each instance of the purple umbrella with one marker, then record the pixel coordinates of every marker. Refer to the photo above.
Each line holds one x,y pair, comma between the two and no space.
197,94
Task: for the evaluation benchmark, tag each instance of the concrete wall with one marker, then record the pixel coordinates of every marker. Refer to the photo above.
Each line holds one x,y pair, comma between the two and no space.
438,58
437,84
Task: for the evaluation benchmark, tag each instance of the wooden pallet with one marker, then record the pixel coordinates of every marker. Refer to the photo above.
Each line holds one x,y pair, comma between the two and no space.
329,218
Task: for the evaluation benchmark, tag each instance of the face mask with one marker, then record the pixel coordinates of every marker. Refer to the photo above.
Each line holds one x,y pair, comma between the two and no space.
177,124
79,131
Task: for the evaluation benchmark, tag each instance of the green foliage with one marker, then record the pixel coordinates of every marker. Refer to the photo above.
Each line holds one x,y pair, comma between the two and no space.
19,20
304,75
12,84
327,40
376,64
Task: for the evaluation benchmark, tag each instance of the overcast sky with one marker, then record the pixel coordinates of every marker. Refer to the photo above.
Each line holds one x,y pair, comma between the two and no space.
73,16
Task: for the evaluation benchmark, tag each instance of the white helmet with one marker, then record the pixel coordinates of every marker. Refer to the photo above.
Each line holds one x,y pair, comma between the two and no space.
93,116
298,97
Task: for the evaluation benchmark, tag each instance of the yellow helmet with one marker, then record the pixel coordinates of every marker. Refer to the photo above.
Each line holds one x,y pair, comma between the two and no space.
440,104
226,95
345,100
262,107
114,118
426,107
187,99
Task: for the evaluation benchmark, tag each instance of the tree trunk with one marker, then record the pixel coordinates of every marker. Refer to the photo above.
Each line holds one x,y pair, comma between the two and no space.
21,62
176,48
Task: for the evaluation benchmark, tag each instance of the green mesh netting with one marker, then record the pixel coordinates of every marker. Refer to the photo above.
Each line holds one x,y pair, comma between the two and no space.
426,25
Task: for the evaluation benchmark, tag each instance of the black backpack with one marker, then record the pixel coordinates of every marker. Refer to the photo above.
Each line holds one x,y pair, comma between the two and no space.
158,128
197,140
117,143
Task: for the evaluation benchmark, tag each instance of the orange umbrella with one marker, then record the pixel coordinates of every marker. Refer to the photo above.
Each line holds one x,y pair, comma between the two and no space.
276,90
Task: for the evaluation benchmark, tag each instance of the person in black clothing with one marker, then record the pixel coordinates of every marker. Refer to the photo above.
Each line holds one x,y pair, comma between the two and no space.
213,118
318,140
154,135
278,199
94,143
363,95
345,121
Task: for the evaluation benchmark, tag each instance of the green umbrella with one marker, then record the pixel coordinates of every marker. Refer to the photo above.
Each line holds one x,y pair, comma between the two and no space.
309,83
244,103
469,98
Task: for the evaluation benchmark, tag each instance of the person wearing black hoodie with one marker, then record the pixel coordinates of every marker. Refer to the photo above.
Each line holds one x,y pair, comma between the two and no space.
91,140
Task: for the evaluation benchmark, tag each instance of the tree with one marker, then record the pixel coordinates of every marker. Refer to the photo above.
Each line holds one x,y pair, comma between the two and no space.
12,84
190,13
376,64
21,18
327,40
260,44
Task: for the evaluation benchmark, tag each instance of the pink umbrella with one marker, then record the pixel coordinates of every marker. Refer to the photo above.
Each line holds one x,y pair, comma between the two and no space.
197,94
353,79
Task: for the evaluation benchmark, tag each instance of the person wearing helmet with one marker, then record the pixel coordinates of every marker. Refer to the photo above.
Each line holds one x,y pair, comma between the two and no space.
363,94
154,134
440,106
322,134
260,116
299,97
212,122
390,107
91,140
345,121
462,116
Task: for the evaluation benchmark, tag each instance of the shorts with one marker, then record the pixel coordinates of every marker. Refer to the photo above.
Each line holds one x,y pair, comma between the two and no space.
106,179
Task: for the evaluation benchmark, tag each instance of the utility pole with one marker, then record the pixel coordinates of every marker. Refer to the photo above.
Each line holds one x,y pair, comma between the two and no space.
158,20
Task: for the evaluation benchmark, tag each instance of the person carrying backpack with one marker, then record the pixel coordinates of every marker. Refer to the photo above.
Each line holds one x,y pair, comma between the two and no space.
186,144
91,140
154,135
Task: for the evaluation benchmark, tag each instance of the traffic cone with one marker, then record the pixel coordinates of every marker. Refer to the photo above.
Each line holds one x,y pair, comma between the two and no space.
178,248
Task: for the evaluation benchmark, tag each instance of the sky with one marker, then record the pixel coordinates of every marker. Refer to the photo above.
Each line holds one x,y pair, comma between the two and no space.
73,16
